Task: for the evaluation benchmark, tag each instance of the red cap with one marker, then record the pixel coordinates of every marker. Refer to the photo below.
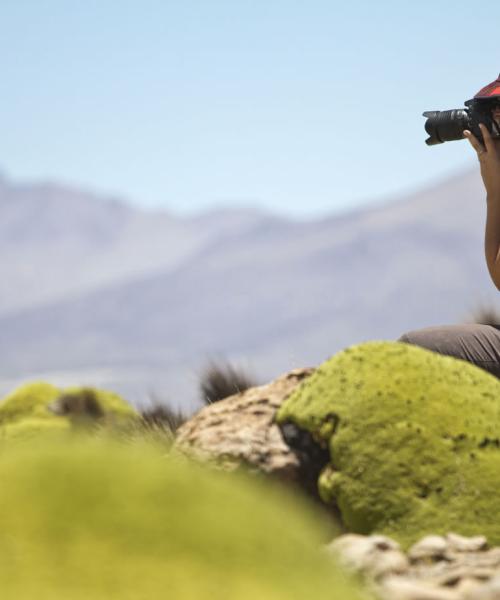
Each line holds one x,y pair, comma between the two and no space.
489,91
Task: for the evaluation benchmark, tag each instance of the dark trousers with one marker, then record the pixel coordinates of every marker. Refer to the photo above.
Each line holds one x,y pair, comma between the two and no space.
478,344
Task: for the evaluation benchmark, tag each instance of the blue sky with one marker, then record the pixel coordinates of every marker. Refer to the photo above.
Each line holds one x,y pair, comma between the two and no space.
302,108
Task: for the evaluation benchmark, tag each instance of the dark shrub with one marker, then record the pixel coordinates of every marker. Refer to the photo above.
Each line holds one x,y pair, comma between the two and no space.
220,380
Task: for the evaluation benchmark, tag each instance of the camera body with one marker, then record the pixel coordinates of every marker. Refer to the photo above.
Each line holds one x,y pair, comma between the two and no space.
448,125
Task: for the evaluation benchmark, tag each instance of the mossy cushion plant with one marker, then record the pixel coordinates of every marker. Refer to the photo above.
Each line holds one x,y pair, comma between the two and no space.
94,519
40,407
413,439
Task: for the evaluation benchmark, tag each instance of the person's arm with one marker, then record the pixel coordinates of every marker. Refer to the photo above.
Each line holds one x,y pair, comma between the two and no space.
492,237
489,159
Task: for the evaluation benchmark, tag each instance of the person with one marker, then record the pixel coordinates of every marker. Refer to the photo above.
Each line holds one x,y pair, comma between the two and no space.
478,344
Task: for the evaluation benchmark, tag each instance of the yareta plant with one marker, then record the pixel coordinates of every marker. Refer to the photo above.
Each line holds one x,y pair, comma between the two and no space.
94,519
412,440
40,407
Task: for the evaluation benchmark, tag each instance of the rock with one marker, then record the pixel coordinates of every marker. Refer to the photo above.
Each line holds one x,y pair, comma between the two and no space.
431,547
396,588
239,431
440,567
412,438
467,588
488,591
459,543
376,555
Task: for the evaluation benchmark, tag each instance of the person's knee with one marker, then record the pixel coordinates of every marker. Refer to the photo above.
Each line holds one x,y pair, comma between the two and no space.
470,342
406,338
424,338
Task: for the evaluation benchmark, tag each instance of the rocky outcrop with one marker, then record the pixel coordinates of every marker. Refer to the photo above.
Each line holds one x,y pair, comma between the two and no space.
450,567
403,441
240,432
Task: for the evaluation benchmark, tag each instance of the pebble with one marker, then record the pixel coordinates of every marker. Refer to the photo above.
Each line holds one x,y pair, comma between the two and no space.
430,547
398,588
450,567
376,556
488,591
459,543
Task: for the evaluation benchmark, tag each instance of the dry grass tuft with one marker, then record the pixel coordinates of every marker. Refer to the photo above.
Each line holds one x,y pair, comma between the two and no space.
220,380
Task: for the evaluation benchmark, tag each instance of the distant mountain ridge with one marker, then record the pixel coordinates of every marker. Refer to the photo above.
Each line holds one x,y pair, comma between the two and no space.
96,285
58,241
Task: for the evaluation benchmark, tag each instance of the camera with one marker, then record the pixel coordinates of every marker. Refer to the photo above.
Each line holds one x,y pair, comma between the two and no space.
448,125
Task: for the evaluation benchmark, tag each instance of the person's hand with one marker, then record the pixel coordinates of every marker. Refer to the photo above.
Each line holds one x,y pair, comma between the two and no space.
489,159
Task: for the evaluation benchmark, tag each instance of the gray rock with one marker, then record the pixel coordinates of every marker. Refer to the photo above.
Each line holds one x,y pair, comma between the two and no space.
376,556
467,588
450,567
398,588
430,547
459,543
239,431
489,591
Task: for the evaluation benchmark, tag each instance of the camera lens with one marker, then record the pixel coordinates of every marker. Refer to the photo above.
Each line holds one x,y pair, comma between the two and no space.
445,125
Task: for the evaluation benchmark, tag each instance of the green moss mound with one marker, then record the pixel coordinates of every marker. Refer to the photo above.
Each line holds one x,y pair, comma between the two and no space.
413,439
94,519
31,409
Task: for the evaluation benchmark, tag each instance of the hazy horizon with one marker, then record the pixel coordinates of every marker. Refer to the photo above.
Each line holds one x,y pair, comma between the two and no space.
114,195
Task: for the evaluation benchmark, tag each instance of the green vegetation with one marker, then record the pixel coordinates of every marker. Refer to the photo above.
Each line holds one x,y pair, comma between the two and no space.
40,407
413,440
93,519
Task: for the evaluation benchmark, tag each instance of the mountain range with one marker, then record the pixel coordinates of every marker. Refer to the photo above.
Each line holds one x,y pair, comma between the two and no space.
98,292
